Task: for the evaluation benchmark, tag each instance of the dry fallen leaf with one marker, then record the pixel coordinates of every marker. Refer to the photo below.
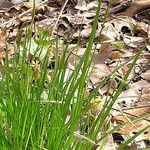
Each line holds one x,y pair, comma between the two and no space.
99,72
133,93
115,55
146,93
2,37
133,128
146,75
5,4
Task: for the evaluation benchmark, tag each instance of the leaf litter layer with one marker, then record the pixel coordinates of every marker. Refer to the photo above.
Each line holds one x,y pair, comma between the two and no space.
58,72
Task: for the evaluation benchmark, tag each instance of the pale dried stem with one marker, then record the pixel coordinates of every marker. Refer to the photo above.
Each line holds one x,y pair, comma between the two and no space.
54,28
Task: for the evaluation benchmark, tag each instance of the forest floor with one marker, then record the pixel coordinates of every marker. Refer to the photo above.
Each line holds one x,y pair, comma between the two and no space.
123,30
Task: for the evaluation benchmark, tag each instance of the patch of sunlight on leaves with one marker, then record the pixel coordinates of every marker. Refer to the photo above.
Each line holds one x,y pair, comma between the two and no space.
44,96
42,51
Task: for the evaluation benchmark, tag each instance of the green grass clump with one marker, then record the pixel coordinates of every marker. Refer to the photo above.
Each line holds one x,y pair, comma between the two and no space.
41,113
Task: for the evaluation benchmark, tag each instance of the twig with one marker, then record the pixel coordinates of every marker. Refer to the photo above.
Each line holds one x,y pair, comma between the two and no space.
137,107
24,13
121,6
54,28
